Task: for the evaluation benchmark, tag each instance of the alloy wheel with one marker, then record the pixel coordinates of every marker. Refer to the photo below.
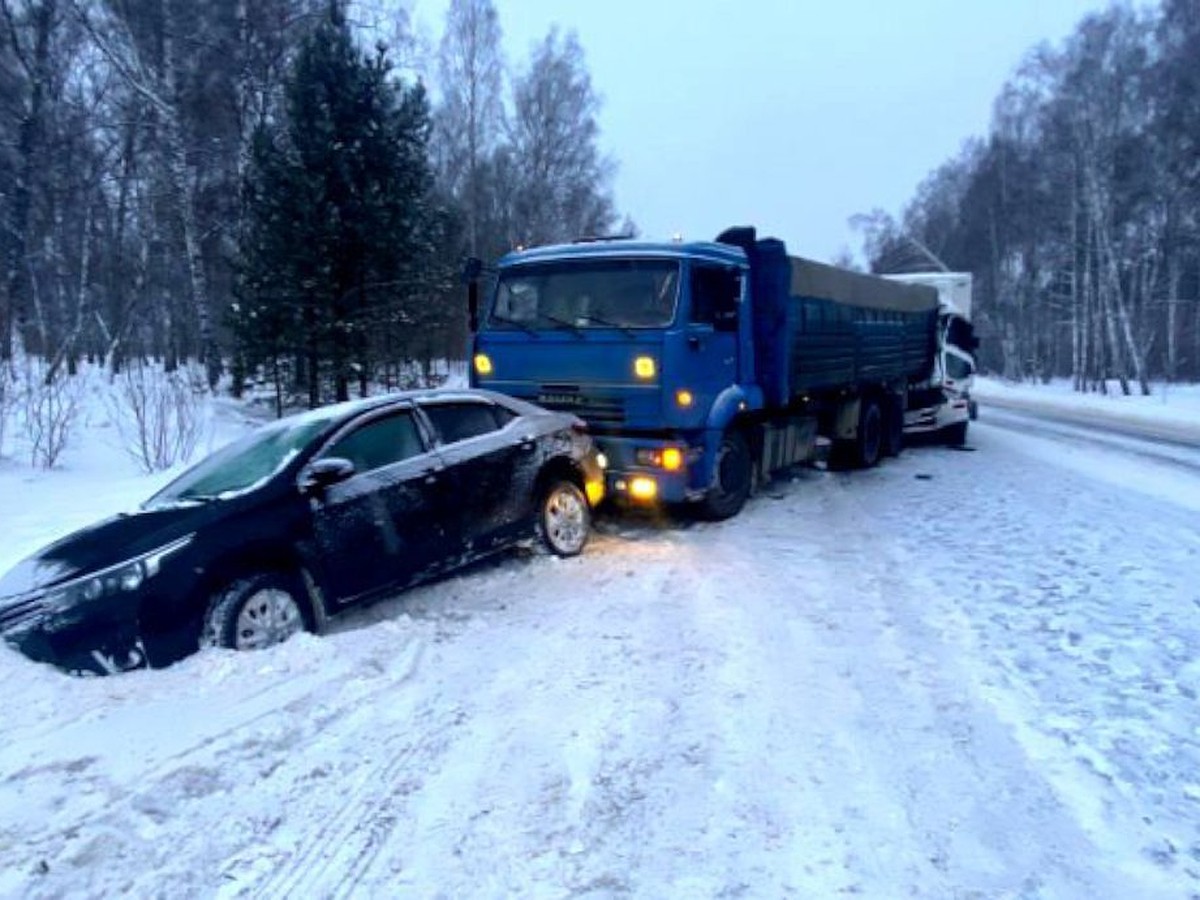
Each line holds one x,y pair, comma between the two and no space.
269,616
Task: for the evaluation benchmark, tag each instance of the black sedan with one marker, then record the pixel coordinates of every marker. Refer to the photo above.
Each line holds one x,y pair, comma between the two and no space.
302,518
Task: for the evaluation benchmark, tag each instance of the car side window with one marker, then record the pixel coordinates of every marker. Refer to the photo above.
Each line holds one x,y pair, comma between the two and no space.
455,422
380,442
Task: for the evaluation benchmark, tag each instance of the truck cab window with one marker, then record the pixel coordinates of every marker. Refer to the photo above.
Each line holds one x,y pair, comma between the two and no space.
715,293
957,367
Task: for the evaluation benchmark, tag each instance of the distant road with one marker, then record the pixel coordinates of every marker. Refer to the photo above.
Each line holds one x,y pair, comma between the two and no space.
1097,422
1131,438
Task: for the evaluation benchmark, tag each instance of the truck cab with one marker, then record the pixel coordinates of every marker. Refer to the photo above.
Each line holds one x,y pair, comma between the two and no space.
649,343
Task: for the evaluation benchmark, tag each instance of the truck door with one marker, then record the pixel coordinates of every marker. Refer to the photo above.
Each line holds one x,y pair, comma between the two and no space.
712,330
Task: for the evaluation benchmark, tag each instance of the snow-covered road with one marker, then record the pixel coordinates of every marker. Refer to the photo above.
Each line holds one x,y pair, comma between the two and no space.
963,674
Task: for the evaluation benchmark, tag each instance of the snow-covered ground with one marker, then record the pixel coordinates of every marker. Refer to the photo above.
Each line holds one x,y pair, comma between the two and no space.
963,674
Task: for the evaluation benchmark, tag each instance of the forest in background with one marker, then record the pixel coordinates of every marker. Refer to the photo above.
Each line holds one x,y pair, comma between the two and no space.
280,193
1079,214
267,190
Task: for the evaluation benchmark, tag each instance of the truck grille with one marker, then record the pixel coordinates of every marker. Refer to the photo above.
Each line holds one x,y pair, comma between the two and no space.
593,410
19,612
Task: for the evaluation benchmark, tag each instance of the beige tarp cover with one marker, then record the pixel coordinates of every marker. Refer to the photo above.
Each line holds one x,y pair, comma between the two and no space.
813,279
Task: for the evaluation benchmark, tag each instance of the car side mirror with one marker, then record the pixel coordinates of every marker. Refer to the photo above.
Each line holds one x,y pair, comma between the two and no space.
323,473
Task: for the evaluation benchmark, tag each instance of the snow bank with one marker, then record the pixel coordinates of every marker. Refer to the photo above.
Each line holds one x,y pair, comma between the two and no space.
1171,412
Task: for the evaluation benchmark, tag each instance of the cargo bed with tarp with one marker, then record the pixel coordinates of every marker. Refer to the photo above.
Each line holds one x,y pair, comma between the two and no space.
819,327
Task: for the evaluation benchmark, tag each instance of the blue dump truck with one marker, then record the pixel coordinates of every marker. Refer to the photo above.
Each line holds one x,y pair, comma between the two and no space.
700,367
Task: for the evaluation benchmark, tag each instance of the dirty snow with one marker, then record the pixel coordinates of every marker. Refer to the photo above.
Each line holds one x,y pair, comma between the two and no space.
963,674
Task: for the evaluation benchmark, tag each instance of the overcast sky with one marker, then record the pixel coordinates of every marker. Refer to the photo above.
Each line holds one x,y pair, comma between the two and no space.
792,116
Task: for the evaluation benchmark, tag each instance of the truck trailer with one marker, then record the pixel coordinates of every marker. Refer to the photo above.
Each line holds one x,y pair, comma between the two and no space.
702,366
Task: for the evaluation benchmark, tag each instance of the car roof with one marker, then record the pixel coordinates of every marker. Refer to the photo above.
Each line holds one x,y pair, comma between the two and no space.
343,412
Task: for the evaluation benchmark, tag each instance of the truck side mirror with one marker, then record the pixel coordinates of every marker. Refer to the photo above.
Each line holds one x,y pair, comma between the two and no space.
472,269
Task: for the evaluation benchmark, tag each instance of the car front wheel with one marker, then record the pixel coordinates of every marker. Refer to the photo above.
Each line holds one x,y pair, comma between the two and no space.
564,518
254,613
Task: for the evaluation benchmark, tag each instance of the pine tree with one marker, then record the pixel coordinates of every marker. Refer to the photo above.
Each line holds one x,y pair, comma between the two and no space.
339,216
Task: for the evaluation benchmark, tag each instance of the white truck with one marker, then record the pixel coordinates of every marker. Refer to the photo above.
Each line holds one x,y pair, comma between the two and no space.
942,405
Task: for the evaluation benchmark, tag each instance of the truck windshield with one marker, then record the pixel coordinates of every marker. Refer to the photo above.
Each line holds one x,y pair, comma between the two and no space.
581,294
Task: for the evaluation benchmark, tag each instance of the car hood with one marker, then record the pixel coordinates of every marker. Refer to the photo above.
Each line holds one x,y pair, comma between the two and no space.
105,544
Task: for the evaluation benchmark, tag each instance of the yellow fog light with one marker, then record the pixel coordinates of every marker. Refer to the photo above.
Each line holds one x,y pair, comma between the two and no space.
483,364
595,492
684,398
643,488
644,367
672,459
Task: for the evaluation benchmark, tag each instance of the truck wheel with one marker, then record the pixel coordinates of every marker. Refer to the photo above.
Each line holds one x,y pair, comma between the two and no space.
955,435
870,434
893,432
731,486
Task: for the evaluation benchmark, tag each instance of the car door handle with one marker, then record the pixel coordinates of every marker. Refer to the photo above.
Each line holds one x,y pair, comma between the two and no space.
528,442
431,474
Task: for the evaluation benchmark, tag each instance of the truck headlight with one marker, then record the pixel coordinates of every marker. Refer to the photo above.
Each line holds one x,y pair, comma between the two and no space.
644,367
669,458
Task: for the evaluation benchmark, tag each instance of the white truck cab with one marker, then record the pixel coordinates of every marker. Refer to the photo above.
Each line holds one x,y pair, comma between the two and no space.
943,405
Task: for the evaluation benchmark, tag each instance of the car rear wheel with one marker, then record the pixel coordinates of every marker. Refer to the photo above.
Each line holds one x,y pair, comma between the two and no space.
564,518
254,613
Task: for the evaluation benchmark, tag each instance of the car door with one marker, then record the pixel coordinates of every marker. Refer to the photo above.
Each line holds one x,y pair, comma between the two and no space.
488,460
381,527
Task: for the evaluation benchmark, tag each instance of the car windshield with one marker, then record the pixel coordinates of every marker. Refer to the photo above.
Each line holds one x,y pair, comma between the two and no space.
627,293
245,463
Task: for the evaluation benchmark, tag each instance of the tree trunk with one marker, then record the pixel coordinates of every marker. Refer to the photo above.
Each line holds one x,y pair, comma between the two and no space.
66,349
1174,283
18,288
182,182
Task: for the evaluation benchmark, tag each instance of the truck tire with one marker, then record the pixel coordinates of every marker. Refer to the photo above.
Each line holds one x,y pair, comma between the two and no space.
869,443
893,432
731,484
955,435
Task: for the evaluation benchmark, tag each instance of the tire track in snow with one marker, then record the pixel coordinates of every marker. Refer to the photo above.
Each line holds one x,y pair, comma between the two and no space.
334,859
1025,815
115,800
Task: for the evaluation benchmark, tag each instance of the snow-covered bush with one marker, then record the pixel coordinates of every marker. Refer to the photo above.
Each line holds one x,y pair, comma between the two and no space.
159,415
48,411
